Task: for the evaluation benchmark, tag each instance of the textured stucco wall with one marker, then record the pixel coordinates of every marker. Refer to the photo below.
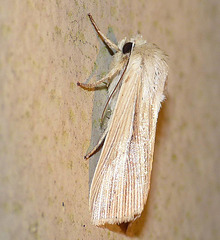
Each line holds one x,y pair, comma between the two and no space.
46,121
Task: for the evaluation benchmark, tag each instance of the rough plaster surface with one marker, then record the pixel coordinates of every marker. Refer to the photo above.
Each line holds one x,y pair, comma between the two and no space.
46,121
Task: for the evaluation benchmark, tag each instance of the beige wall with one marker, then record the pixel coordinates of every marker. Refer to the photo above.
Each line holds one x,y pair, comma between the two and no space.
46,121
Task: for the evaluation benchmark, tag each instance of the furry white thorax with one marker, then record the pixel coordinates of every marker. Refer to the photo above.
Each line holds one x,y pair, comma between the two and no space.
141,56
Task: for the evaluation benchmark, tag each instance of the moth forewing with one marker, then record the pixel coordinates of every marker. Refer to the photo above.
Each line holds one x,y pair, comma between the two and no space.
121,180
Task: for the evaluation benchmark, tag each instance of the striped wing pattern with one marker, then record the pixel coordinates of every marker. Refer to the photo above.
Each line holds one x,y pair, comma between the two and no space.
122,178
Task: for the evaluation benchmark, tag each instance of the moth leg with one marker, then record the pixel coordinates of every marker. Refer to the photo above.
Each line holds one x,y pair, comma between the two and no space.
113,72
95,84
108,42
88,155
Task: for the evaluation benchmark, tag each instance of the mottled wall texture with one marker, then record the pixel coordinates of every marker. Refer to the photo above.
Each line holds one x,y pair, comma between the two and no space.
46,121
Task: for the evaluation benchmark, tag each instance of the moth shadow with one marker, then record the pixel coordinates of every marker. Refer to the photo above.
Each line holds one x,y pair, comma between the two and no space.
101,67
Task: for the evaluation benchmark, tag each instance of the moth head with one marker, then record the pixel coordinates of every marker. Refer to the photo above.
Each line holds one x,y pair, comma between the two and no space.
127,47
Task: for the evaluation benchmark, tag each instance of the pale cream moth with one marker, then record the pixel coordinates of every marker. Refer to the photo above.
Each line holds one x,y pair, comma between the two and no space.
136,83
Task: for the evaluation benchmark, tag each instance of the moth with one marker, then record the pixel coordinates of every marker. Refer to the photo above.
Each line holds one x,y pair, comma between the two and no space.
136,81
